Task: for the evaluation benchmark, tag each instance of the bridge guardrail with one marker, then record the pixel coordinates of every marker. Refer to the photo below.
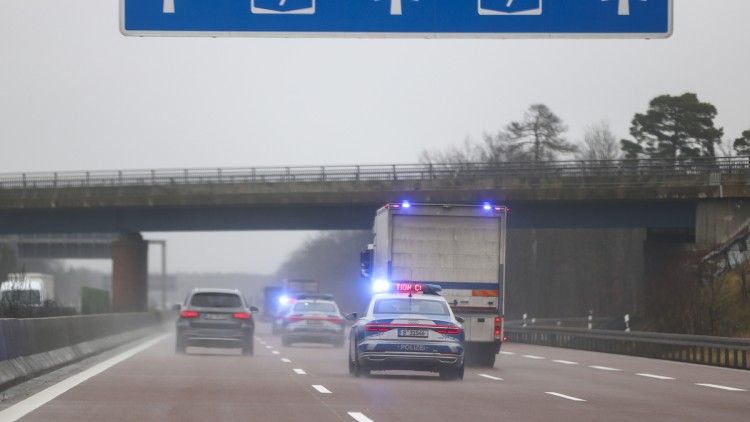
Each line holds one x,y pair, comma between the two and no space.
707,350
709,170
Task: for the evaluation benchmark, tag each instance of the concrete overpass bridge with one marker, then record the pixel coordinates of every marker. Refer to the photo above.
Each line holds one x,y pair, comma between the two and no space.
702,200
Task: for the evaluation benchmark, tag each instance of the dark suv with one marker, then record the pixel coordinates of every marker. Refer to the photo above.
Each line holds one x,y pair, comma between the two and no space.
215,318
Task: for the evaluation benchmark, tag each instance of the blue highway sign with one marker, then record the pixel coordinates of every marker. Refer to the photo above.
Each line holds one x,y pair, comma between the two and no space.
399,18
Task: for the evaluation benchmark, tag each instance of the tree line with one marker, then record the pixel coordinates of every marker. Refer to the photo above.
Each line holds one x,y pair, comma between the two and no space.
673,127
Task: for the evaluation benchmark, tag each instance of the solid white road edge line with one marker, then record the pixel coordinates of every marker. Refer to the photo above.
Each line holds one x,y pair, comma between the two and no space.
659,377
565,362
300,371
359,417
490,377
321,389
564,396
34,402
720,387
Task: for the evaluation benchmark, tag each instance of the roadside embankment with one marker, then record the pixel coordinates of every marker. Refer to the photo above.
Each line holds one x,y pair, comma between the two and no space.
32,346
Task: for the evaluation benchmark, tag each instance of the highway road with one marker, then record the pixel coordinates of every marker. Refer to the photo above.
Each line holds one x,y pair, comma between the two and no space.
146,381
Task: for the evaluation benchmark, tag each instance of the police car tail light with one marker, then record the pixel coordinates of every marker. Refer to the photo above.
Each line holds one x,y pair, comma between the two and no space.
294,318
335,320
377,328
498,328
241,315
189,314
450,329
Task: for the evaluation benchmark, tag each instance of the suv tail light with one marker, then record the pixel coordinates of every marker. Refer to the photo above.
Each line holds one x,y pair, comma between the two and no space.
189,314
498,328
241,315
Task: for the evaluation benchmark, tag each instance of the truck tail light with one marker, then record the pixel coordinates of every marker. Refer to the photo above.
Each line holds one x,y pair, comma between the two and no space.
498,328
189,314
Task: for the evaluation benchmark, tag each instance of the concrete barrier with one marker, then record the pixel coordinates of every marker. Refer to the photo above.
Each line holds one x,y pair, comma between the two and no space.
30,347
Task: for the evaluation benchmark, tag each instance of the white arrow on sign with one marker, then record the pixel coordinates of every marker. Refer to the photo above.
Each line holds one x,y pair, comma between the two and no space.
168,6
396,7
623,7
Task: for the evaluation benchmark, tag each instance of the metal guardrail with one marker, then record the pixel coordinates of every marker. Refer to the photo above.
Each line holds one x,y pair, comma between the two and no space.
706,350
711,169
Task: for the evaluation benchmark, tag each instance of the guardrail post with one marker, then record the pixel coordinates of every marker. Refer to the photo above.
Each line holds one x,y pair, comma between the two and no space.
119,177
394,173
186,176
357,174
153,177
219,173
88,178
54,182
23,179
322,173
591,319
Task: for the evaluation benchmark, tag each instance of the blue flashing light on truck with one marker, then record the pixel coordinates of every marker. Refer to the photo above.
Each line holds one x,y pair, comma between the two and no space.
460,248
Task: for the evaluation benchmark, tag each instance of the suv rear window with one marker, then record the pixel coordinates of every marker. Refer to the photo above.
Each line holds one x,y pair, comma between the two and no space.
216,300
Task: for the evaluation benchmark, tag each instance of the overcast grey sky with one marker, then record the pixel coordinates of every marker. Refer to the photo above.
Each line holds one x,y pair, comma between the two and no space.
75,94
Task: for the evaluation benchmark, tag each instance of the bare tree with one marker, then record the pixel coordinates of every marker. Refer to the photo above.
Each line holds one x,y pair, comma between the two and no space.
599,143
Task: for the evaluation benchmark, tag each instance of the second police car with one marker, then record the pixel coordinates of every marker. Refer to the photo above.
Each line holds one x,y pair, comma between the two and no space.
410,328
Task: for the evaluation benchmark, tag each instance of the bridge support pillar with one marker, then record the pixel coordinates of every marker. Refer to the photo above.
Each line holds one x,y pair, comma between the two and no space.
717,220
130,273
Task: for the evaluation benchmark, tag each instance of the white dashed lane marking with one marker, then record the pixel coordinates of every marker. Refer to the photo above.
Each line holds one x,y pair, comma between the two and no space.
276,352
721,387
359,417
490,377
300,371
659,377
507,353
285,360
564,396
604,368
565,362
321,389
533,357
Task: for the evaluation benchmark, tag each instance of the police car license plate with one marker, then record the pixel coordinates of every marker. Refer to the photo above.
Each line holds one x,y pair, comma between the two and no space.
411,332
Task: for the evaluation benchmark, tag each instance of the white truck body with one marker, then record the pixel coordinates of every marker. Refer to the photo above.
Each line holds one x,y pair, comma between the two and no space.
35,289
460,248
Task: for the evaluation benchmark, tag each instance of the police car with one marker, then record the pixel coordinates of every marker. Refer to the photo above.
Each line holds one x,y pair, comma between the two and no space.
410,328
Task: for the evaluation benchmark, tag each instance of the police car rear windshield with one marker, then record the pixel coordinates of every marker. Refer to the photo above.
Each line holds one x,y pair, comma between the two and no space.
314,307
410,306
